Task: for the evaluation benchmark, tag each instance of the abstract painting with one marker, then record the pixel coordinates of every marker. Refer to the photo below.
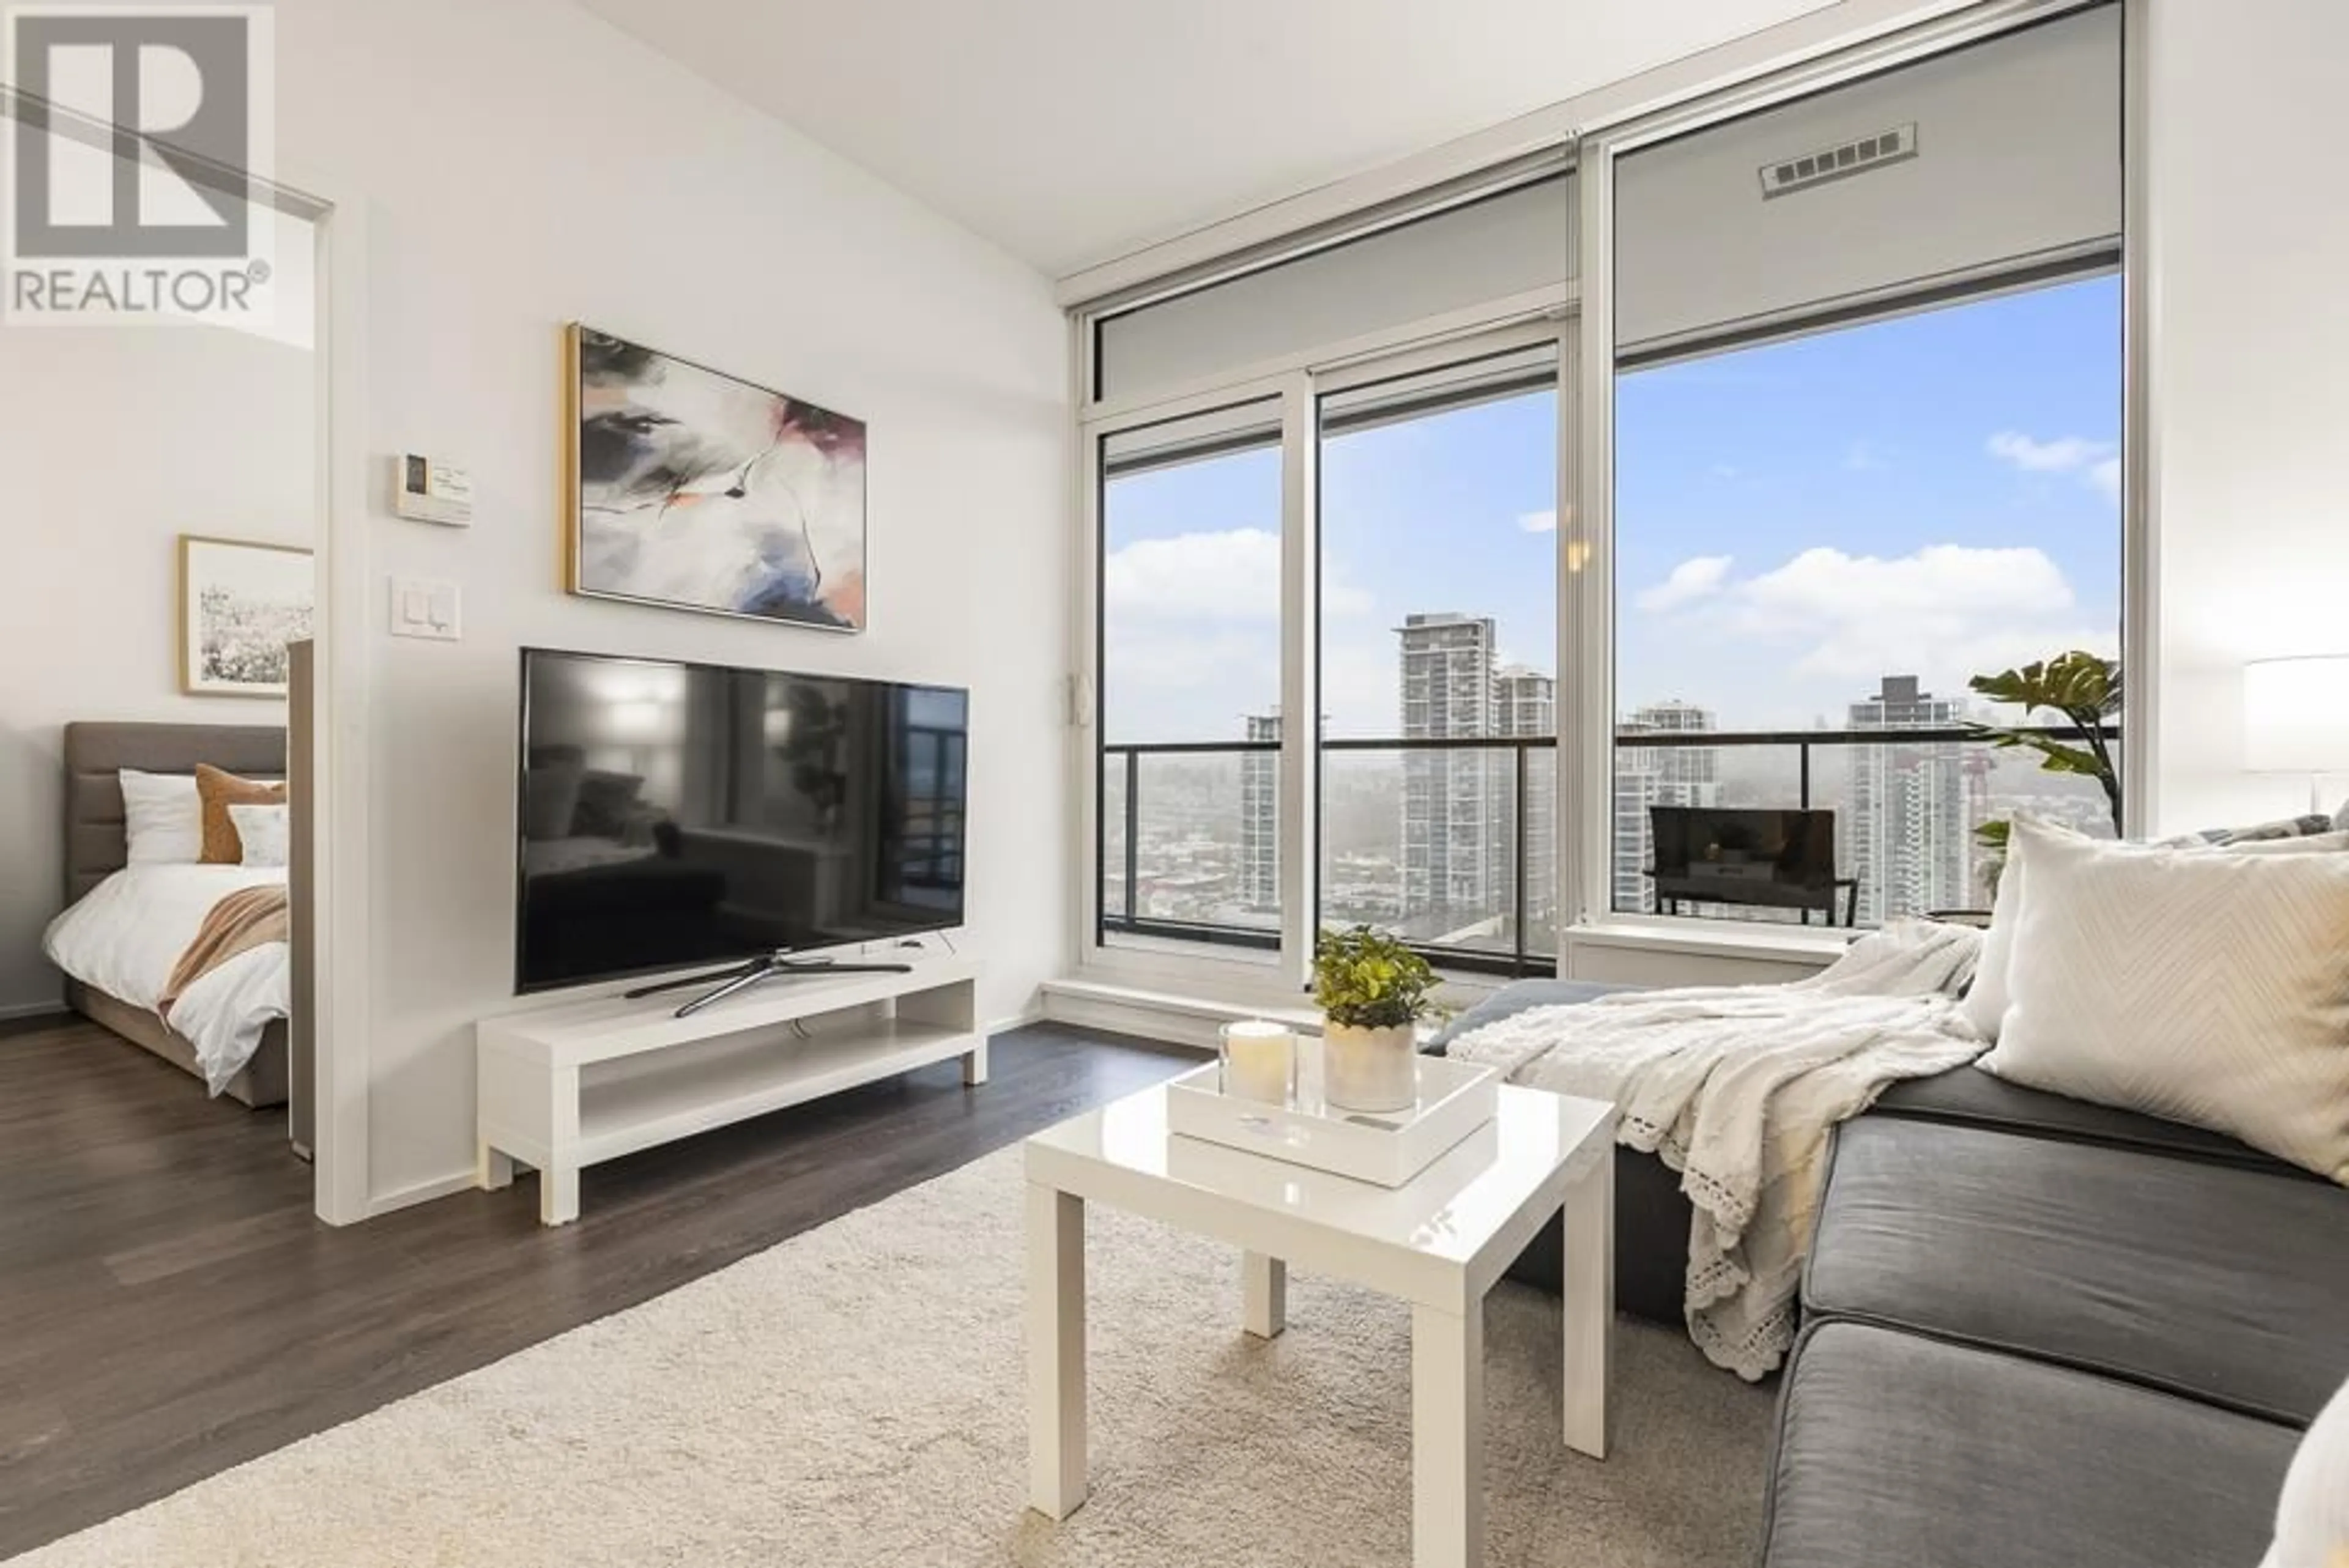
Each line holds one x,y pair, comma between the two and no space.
240,604
699,491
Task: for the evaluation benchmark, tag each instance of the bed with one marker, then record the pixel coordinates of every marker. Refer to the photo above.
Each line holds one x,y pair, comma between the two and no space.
97,848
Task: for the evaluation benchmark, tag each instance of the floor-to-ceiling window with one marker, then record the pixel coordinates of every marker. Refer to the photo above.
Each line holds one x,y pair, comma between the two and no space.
1438,623
1190,679
1854,440
1876,459
1299,472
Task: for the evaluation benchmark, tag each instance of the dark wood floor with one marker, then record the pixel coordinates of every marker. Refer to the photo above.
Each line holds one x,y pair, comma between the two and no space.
168,1307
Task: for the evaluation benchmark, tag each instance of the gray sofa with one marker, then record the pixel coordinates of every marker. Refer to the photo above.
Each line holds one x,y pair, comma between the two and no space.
2037,1333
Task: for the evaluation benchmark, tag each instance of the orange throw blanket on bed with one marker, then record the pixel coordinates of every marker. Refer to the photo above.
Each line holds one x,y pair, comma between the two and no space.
248,918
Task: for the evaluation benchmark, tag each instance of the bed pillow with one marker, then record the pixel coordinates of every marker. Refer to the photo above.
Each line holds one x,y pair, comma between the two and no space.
2211,989
162,818
262,831
220,790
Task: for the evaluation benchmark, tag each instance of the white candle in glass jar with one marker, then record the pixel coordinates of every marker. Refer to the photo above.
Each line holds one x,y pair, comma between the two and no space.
1259,1061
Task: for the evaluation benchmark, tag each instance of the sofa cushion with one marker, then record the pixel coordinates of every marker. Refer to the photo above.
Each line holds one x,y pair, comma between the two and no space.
1514,998
1975,1097
2222,1285
1895,1449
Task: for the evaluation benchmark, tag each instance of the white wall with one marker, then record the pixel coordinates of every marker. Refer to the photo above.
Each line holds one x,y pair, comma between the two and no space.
2249,246
114,442
523,164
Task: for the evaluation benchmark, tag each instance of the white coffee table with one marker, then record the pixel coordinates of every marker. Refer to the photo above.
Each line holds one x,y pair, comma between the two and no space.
1438,1244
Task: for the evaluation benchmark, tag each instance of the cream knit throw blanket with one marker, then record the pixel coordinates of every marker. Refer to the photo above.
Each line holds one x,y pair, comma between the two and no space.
1737,1088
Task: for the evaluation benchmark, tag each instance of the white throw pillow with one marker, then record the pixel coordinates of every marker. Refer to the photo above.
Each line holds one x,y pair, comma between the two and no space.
263,831
2206,989
2313,1519
1985,1004
1986,999
162,818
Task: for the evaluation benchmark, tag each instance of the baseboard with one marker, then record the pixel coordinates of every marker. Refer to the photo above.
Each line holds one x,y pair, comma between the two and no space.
12,1011
1033,1013
1171,1019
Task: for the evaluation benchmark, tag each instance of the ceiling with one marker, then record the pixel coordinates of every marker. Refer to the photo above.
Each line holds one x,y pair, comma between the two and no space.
1073,132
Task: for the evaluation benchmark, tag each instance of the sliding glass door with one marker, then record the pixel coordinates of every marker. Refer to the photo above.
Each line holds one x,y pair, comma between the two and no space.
1438,643
1190,657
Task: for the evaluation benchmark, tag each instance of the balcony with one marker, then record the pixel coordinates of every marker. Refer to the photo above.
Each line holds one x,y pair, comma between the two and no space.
1432,839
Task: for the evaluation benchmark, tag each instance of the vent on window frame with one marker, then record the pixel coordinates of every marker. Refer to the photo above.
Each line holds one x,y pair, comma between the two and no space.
1785,176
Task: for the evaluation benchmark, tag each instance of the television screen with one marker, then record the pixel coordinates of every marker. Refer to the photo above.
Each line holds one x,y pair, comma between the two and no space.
676,814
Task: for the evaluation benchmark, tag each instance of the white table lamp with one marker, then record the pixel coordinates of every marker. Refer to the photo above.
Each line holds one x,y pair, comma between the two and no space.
2296,718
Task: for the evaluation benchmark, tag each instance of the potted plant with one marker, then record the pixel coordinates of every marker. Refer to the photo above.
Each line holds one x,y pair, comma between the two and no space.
2085,689
1372,991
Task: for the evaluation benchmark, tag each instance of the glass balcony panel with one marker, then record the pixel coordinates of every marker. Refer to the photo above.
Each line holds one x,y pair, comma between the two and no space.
1423,842
1204,856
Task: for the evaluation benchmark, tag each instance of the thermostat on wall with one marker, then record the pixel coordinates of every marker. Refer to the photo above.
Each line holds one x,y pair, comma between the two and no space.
434,492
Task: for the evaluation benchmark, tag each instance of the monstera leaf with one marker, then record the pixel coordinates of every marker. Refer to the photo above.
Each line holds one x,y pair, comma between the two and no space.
2085,688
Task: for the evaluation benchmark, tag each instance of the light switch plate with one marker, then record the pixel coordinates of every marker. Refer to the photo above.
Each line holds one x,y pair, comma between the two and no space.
425,607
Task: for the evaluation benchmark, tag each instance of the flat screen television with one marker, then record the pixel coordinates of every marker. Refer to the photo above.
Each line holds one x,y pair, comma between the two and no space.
675,814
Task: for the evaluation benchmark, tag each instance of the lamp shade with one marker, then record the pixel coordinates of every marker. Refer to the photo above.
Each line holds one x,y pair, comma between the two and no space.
2296,715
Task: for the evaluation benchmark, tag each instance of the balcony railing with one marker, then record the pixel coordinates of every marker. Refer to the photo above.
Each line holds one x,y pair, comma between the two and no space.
1181,849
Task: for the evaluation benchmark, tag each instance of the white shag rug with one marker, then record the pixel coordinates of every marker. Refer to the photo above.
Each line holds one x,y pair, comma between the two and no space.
854,1395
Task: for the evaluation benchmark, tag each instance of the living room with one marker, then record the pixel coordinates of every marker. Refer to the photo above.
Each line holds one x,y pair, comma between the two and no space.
847,510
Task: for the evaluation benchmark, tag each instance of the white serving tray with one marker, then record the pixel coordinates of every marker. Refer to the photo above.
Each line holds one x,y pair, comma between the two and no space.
1385,1147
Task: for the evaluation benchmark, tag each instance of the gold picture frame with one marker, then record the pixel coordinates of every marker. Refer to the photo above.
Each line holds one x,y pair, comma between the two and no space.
242,601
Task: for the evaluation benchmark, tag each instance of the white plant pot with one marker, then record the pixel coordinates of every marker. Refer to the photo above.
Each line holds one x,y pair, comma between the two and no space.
1370,1069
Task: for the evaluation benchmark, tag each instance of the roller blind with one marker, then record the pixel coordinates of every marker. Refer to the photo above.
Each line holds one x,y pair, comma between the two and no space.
1518,240
1994,157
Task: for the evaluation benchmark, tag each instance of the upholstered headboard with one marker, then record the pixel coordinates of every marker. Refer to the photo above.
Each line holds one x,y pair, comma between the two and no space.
94,753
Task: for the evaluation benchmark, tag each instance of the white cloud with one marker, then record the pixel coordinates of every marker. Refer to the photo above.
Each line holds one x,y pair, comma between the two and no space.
1538,521
2064,455
1943,612
1210,578
2107,478
1698,578
1234,575
2096,464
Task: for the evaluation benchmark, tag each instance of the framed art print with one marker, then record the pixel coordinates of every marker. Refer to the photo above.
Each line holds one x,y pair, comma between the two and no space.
699,491
240,604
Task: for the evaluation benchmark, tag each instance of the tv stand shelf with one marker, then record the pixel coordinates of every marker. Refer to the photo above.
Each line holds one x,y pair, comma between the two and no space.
574,1085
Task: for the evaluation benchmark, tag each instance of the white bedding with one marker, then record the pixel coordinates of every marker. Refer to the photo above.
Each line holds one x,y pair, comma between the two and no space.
125,937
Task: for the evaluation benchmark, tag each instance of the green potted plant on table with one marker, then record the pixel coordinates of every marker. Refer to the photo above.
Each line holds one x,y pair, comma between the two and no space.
1372,991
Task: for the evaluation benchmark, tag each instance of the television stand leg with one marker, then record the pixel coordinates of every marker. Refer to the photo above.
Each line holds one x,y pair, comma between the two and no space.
750,975
758,971
732,972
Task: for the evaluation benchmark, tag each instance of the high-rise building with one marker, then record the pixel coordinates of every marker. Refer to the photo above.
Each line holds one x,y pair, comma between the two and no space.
1455,847
1260,816
1524,704
1904,830
1649,776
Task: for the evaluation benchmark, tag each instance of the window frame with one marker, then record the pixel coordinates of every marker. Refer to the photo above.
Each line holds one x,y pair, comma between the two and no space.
1581,314
1590,815
1511,323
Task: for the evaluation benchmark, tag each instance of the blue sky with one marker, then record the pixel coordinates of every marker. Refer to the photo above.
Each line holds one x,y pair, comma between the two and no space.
1934,495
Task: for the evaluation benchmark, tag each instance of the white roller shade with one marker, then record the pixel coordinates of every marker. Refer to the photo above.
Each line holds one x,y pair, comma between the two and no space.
1506,244
2017,158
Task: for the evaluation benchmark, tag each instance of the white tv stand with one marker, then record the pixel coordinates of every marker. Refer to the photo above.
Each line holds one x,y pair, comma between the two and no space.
570,1087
